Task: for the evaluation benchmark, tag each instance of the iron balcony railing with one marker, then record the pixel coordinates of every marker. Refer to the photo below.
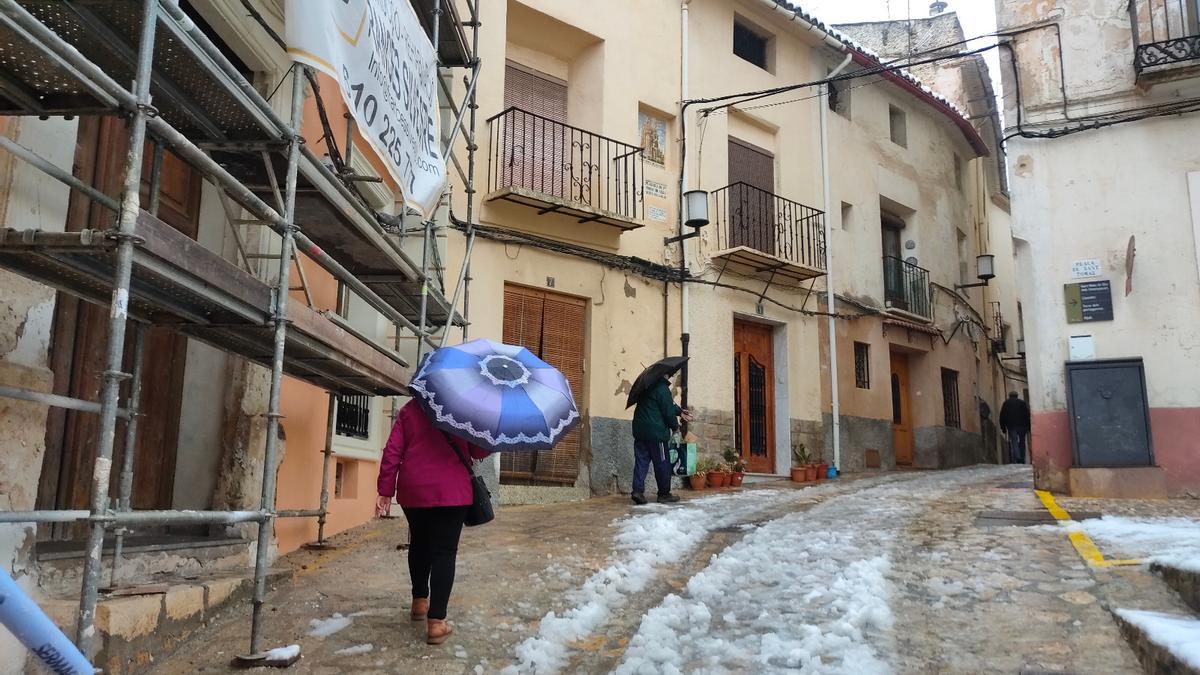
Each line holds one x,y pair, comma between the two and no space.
757,219
906,287
565,163
353,416
1164,32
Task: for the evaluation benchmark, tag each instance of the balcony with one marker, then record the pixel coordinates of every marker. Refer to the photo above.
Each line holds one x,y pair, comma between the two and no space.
1165,33
906,288
765,235
557,168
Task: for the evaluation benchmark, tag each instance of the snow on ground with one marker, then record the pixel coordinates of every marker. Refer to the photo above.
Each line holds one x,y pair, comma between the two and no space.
662,536
805,593
1170,541
356,650
323,628
283,653
1179,635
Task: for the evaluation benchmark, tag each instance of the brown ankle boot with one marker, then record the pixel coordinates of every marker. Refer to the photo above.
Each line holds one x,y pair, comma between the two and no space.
437,631
420,608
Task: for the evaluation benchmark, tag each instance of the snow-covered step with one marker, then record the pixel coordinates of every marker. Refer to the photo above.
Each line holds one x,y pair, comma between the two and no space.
1164,643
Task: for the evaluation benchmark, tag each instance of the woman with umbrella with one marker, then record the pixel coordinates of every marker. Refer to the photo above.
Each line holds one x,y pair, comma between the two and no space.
655,419
468,401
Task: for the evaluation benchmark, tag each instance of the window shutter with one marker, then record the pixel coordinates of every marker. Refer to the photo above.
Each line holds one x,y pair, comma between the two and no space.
538,94
563,347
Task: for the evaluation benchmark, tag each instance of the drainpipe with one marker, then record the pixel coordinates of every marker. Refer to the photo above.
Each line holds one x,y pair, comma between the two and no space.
831,302
684,294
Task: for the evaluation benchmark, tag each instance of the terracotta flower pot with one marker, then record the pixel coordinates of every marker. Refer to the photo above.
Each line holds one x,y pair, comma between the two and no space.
717,479
697,480
822,470
810,473
735,479
798,474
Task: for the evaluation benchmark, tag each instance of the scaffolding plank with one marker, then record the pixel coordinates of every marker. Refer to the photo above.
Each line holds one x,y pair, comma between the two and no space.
179,283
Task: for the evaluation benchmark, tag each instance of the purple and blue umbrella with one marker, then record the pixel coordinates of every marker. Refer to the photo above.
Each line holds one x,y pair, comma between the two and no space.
499,397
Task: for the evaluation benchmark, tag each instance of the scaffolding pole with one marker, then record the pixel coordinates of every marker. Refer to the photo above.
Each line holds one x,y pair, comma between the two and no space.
134,101
119,309
265,530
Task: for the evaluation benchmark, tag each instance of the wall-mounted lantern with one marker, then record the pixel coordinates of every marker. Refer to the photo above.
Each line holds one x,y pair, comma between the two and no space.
985,266
695,215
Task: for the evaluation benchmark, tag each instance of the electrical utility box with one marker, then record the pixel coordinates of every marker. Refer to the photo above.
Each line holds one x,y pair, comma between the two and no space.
1110,417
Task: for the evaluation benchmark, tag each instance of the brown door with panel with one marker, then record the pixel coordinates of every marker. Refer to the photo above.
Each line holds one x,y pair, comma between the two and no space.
754,395
551,326
902,427
80,339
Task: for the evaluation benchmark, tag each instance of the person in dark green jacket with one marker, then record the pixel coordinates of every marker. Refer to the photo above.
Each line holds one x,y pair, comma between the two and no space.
654,420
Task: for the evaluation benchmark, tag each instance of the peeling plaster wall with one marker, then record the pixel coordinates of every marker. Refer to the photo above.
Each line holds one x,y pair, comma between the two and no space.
29,200
1083,196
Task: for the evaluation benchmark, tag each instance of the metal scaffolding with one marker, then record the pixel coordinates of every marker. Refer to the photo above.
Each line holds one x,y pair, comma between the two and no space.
146,273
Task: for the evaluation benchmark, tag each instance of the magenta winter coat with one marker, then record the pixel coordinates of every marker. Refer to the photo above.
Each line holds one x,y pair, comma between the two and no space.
420,467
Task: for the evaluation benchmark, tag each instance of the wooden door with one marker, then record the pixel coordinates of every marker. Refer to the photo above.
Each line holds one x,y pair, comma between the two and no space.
902,428
80,339
537,144
754,395
751,197
552,326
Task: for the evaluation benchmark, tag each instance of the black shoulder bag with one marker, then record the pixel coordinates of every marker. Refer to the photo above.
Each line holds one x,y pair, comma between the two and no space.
480,511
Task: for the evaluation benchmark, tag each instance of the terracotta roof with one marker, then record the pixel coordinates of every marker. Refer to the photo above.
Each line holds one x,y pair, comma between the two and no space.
902,78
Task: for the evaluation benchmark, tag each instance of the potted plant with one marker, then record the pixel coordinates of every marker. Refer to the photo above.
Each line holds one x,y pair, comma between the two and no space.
718,477
737,468
699,480
800,459
822,470
810,473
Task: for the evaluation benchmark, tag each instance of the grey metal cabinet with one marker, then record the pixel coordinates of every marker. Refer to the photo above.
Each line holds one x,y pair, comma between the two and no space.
1110,417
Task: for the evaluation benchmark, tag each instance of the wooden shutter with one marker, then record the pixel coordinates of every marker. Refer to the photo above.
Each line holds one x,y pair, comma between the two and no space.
751,165
552,327
536,140
537,93
752,207
563,348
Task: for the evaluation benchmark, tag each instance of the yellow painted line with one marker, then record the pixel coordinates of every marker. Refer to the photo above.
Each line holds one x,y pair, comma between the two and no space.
1084,546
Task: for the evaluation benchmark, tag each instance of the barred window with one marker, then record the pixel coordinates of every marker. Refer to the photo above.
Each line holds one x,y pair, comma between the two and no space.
950,398
862,365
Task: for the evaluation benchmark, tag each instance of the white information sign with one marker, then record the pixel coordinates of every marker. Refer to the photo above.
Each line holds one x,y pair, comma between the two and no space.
387,72
656,189
657,213
1082,269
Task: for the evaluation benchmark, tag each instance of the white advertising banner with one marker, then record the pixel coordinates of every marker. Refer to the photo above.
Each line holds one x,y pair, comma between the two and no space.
387,71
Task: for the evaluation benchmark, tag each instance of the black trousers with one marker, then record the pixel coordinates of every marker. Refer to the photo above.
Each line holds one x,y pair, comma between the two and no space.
432,551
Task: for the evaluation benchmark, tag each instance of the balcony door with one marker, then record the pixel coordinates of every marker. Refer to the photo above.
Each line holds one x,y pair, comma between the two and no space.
754,395
751,197
537,143
891,228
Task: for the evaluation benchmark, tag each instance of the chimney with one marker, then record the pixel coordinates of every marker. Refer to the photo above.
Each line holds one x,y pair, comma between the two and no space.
937,7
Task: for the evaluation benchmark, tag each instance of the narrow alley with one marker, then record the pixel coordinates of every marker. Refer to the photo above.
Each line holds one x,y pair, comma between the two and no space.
905,572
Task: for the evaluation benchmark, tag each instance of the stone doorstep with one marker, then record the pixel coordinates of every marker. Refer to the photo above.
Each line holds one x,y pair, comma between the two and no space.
1144,482
136,629
1154,659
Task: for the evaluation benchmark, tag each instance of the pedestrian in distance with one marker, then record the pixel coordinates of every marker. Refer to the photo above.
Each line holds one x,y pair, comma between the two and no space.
1014,421
427,471
655,419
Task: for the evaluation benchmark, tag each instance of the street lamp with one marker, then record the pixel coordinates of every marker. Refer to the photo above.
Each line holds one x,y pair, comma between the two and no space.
985,264
695,215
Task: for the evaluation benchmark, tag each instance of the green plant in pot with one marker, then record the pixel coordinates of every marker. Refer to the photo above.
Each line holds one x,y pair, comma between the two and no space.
801,458
699,480
737,467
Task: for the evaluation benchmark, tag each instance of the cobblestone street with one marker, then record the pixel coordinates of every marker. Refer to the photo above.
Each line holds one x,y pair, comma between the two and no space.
889,573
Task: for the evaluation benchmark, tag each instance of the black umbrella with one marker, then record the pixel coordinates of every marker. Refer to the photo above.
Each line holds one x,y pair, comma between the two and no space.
663,369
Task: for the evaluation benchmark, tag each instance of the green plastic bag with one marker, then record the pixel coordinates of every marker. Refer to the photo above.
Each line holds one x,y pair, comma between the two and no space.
683,457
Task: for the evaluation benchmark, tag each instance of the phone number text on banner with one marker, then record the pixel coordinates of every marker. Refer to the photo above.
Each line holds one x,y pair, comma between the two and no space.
387,72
